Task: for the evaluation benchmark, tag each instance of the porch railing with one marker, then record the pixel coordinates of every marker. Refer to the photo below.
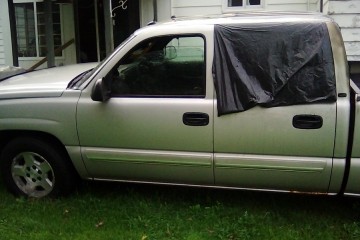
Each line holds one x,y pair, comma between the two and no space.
57,51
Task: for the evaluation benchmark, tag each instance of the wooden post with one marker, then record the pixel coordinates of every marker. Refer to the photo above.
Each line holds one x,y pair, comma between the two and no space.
49,32
155,10
13,33
109,39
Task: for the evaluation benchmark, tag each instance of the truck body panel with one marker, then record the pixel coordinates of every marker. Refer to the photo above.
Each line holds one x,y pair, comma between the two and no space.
149,113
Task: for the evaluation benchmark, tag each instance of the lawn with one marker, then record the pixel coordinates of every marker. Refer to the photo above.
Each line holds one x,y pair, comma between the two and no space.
146,212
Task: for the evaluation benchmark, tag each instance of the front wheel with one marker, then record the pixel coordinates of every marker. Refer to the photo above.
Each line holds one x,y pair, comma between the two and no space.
34,168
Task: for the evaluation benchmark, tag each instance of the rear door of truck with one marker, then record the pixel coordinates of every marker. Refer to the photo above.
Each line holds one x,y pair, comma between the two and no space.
264,148
289,146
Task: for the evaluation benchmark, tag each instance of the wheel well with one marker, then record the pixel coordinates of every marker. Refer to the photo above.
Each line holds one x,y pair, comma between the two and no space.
7,136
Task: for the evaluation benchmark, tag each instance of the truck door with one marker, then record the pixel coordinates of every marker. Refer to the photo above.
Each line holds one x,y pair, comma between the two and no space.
281,148
276,146
158,123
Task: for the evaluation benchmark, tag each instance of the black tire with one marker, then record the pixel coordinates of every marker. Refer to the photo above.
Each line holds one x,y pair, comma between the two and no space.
32,167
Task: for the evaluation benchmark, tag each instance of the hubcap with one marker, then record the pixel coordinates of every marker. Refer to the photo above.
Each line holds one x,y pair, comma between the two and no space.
32,174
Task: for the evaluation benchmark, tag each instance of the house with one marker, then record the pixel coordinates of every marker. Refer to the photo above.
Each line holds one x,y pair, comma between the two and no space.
81,30
88,30
347,15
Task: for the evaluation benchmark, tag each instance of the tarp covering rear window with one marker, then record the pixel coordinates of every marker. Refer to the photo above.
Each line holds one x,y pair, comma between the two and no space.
272,65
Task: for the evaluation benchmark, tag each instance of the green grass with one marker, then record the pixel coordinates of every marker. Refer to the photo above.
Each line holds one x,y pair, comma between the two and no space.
146,212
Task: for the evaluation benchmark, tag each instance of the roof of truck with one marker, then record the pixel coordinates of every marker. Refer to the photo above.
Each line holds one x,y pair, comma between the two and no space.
250,17
260,17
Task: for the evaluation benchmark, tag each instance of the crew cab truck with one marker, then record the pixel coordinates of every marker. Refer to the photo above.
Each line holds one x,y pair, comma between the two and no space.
252,101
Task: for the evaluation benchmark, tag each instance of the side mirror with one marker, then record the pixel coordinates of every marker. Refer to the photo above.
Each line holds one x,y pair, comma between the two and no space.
100,92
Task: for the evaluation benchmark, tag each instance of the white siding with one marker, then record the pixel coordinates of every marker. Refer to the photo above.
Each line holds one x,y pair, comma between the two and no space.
195,3
5,35
146,12
353,49
2,50
164,10
349,6
292,5
195,11
347,15
181,8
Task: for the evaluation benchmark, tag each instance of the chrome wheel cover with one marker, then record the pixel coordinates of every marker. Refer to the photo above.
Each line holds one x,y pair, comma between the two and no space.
32,174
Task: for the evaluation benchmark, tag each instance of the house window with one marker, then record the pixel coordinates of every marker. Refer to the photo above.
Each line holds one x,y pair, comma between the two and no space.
243,3
25,27
30,27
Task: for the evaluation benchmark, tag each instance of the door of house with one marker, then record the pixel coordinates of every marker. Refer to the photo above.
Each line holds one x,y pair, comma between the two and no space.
93,32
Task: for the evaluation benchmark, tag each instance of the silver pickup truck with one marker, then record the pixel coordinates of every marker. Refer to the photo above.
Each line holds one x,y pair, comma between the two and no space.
251,101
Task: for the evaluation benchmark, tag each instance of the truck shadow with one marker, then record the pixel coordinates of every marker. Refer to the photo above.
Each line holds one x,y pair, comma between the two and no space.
337,207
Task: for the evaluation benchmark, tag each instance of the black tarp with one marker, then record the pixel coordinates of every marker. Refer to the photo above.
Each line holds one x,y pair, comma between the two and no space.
272,64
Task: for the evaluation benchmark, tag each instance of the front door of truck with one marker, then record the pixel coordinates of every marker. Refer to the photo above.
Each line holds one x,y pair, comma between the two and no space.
158,123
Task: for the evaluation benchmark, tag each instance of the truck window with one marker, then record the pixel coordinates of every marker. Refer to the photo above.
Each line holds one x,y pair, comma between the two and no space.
168,66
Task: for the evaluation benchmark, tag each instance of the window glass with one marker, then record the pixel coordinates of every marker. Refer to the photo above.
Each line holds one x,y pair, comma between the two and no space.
160,67
25,27
30,27
42,29
235,3
241,3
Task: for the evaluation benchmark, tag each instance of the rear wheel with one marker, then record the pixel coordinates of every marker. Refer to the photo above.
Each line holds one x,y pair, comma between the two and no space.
34,168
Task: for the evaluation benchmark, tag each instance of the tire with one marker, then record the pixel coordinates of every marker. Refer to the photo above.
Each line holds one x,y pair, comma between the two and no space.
34,168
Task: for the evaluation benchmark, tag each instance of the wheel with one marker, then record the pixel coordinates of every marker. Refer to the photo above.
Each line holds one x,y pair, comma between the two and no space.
34,168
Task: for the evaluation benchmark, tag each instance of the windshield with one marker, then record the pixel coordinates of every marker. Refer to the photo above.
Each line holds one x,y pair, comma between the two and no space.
85,77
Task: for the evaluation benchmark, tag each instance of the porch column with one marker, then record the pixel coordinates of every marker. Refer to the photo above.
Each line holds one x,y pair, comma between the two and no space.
109,39
155,10
49,32
14,45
